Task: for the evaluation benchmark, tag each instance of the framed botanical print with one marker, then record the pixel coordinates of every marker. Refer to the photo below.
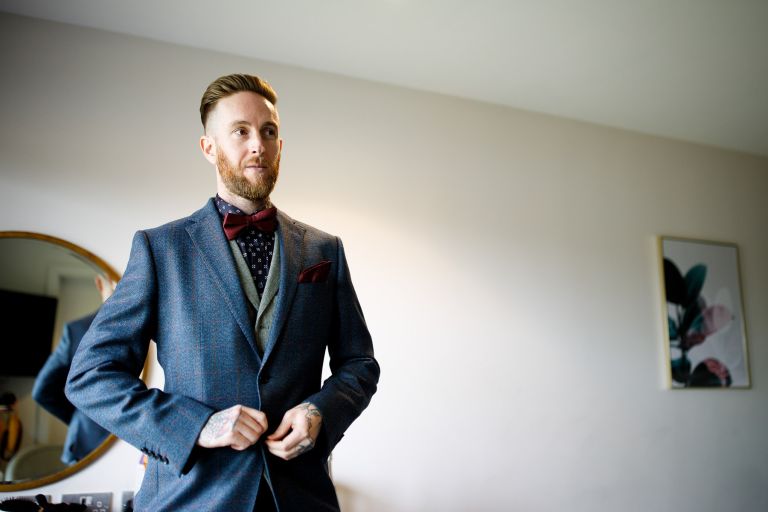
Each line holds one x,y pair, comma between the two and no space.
706,341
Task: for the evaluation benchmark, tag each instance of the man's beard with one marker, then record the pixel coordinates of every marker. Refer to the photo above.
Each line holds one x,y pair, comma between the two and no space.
235,181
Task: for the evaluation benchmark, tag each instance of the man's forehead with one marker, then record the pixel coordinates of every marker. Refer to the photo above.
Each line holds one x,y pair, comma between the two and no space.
245,106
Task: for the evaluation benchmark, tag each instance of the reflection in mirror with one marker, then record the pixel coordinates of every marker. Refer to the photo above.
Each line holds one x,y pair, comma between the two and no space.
48,292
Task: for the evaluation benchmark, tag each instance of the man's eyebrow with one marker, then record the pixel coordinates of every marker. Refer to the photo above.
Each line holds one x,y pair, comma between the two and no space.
241,122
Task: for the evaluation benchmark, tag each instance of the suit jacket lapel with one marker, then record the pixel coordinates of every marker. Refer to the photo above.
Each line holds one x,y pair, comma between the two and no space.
291,239
208,237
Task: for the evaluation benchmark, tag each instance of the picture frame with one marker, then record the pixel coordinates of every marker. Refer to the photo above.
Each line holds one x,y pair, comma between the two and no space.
703,314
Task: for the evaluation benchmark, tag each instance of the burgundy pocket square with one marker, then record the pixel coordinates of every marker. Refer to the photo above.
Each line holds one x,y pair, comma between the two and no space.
317,273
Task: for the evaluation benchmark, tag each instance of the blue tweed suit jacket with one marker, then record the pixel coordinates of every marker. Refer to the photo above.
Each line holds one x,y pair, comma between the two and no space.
181,289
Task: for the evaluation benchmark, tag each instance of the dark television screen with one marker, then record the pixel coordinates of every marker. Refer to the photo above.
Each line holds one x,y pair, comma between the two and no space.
26,332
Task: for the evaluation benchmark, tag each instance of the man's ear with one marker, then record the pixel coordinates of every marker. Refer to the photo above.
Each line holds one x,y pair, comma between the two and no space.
208,147
105,286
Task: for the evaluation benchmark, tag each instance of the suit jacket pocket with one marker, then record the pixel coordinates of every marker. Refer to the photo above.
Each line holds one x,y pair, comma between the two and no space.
317,273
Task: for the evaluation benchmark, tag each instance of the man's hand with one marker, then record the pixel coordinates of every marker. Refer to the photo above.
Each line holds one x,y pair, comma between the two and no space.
237,427
297,433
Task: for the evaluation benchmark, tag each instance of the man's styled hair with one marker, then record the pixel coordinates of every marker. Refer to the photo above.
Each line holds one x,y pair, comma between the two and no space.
230,84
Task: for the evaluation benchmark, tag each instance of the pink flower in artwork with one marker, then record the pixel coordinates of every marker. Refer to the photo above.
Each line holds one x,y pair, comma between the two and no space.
710,373
717,368
715,318
711,320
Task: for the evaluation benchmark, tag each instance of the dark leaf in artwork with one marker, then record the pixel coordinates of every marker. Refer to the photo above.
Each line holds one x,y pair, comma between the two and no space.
692,312
674,283
694,281
697,324
681,369
710,373
672,328
692,339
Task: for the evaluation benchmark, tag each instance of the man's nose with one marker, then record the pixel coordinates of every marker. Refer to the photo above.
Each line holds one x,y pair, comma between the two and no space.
255,145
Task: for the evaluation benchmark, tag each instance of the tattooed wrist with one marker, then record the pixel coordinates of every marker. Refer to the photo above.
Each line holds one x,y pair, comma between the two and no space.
311,412
217,426
305,447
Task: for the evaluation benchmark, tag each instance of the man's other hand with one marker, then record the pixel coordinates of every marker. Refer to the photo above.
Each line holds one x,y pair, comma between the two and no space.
237,427
297,433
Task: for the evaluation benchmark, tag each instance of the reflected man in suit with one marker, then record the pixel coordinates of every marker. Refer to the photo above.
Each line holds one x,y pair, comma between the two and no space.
83,434
243,302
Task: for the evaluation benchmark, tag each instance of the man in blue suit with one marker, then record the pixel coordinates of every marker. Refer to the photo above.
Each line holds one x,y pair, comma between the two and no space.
243,302
83,434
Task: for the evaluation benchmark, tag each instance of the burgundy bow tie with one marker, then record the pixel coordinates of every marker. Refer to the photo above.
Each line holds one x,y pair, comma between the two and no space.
265,220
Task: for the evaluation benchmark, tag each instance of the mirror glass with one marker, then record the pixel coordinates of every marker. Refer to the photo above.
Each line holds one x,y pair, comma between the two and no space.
46,283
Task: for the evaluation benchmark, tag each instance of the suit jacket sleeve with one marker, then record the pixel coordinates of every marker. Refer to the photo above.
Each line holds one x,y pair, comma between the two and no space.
355,372
48,390
104,378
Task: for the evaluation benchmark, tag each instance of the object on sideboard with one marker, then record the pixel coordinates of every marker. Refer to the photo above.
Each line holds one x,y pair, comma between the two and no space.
39,505
127,501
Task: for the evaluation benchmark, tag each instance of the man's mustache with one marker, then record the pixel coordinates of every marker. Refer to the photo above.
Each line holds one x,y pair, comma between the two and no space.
260,162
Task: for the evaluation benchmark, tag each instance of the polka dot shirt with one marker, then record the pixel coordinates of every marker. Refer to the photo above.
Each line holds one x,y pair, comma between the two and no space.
255,246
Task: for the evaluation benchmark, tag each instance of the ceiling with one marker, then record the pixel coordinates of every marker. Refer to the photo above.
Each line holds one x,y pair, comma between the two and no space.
695,70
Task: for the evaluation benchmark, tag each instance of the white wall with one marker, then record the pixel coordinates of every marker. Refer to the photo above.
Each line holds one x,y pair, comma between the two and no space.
505,260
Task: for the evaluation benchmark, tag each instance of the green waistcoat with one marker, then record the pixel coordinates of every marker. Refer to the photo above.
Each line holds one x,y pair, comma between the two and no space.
264,307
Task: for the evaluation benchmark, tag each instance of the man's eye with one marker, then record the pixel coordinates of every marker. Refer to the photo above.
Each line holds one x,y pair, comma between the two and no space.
270,132
240,131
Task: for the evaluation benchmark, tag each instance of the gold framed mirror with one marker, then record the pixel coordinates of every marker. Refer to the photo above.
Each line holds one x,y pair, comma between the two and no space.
56,280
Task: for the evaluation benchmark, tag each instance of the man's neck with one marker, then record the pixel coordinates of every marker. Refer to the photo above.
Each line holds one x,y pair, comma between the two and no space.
247,206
